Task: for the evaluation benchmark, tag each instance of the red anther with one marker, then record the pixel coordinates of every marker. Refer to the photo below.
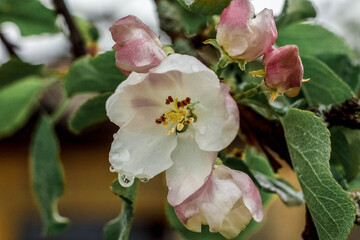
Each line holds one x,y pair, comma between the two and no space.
183,102
186,122
167,102
170,99
158,121
179,104
188,100
162,118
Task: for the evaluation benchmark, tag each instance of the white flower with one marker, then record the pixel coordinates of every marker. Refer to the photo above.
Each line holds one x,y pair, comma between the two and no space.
174,118
226,202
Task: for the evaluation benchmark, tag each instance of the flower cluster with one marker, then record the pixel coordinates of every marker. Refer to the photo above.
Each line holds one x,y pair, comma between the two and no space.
175,116
243,37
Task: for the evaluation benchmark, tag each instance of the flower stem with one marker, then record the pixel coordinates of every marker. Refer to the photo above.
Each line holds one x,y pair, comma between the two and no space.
249,93
60,110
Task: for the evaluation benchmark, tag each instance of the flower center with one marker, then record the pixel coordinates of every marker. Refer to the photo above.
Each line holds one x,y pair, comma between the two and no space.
180,115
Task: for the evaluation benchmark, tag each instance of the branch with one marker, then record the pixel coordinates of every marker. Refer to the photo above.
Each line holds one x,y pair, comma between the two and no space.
78,45
346,114
9,46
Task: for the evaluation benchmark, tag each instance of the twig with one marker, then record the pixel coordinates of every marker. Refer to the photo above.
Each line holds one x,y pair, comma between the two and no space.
9,46
78,45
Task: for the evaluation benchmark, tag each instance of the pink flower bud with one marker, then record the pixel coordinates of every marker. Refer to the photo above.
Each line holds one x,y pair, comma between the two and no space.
284,70
242,36
137,47
227,202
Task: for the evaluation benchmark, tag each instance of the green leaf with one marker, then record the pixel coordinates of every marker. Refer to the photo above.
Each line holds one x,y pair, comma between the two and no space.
312,40
308,142
294,11
47,176
325,87
17,101
345,144
119,228
90,113
30,16
10,71
344,67
98,74
205,7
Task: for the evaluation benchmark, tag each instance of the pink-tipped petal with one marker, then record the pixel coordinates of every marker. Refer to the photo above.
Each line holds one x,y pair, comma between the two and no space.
242,36
137,46
226,202
284,69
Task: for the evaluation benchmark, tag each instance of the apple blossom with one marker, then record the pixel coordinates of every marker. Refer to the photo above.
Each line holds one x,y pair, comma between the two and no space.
174,118
226,202
137,46
284,70
242,36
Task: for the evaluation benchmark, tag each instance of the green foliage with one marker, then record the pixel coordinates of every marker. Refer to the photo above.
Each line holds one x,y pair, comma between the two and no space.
16,69
119,228
344,67
205,7
345,150
87,29
312,40
90,113
31,16
308,142
47,176
176,19
98,74
17,100
325,87
294,11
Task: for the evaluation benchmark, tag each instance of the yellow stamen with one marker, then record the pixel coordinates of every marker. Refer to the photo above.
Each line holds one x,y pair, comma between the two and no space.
180,127
258,73
165,123
273,96
171,131
306,80
191,120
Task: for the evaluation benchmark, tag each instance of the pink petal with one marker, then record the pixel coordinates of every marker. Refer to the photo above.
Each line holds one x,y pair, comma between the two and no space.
226,202
137,46
283,68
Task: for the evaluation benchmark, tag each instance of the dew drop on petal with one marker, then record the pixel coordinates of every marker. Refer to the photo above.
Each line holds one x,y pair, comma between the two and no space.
112,169
144,180
115,136
125,181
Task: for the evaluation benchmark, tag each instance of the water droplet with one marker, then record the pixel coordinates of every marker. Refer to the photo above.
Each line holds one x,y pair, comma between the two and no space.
112,169
125,181
115,136
144,180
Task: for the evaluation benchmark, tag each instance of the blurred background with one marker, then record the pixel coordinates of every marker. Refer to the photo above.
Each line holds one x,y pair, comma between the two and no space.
88,202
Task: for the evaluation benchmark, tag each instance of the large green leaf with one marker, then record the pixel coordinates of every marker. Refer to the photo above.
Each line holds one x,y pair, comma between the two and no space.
205,7
30,16
119,228
47,176
308,142
325,87
17,100
98,74
16,69
90,113
344,67
295,10
345,144
312,39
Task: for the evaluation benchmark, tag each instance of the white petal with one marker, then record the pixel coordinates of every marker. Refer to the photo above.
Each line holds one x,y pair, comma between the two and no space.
191,168
143,153
217,122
